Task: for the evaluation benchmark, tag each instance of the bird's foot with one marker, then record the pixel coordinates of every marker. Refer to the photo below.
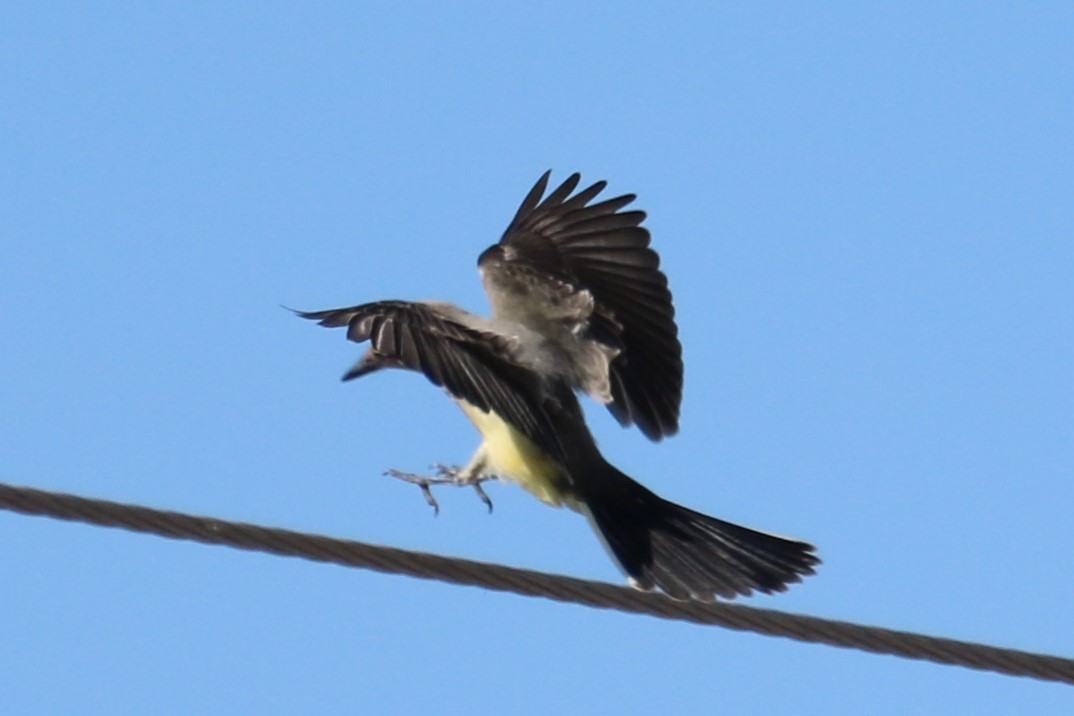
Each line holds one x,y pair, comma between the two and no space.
445,475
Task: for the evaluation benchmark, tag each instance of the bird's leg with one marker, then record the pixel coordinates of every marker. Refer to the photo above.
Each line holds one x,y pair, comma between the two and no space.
461,477
470,476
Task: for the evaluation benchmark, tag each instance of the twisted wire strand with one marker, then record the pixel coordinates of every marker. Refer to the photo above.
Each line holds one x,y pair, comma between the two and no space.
319,548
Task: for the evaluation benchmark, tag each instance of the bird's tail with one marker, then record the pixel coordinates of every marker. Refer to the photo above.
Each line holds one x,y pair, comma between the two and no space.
686,554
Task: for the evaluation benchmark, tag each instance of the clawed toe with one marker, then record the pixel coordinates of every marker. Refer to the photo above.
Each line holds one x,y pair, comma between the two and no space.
445,475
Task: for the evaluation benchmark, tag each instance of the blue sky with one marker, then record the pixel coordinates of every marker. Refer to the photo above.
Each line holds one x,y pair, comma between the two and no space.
866,214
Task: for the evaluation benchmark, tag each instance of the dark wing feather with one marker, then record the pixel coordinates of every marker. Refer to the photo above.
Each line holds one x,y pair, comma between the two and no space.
472,365
600,249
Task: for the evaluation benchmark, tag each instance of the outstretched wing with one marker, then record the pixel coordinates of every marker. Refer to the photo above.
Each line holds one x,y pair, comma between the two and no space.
472,365
567,242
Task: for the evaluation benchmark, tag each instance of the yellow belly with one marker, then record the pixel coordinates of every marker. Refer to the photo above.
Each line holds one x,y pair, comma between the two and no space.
513,456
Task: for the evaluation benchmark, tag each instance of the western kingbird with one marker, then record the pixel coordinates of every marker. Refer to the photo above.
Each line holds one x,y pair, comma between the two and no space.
579,303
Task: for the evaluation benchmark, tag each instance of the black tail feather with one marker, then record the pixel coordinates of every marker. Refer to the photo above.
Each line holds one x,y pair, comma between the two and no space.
689,555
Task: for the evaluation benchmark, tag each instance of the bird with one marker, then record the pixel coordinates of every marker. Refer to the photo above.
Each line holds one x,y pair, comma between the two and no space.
579,305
